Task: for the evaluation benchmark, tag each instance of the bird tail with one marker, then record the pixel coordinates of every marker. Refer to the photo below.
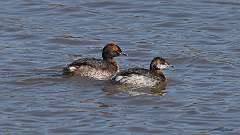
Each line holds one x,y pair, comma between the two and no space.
69,70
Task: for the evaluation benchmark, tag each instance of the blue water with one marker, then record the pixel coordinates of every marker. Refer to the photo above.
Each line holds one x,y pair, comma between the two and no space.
39,37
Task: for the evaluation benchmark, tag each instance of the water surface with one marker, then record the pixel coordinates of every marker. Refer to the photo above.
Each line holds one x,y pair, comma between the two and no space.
200,38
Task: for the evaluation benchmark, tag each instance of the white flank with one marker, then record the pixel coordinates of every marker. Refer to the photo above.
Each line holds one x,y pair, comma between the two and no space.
137,80
118,78
72,69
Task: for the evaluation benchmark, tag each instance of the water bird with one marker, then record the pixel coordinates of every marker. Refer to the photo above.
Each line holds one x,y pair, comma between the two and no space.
100,69
140,77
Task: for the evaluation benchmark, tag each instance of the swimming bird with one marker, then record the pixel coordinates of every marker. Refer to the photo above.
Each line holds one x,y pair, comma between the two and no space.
141,77
100,69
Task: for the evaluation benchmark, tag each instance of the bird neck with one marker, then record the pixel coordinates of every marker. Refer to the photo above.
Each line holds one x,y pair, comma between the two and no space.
159,73
110,60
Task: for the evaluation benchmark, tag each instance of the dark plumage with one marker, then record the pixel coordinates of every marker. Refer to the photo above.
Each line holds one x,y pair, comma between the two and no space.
144,77
101,69
144,72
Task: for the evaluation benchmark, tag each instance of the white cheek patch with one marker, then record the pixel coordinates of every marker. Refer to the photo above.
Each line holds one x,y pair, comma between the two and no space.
161,66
